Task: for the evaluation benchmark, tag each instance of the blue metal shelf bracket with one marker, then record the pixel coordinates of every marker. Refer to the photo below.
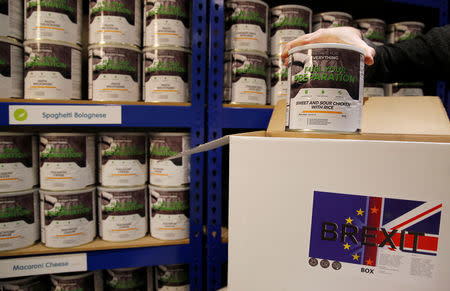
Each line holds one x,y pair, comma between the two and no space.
214,162
198,89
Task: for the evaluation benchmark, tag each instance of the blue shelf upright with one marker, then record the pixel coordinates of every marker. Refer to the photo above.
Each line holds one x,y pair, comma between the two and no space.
189,116
221,117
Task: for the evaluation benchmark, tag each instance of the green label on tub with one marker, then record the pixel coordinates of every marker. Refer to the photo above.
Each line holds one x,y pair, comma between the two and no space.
248,16
167,67
291,21
56,4
249,69
119,65
162,151
68,211
111,7
330,73
168,10
124,151
12,212
12,153
45,61
69,153
124,206
171,206
376,35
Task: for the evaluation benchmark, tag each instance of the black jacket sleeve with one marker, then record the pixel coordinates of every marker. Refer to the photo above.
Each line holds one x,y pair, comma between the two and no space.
426,57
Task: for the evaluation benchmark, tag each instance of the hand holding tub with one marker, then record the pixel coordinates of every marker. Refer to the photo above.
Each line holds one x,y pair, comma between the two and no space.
346,35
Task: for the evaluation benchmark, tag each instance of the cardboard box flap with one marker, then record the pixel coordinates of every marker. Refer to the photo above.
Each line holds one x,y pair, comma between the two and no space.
203,148
405,115
217,143
278,120
415,119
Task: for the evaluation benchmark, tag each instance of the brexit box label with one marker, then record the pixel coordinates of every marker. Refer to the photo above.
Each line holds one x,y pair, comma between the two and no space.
382,234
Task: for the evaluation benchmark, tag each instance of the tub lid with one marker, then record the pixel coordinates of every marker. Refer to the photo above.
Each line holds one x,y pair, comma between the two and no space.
291,6
56,42
121,189
248,52
66,134
256,1
370,20
115,45
393,26
340,13
168,48
327,45
119,133
67,192
160,188
169,134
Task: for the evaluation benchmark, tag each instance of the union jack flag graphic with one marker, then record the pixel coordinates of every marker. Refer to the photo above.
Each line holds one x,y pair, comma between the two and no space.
352,228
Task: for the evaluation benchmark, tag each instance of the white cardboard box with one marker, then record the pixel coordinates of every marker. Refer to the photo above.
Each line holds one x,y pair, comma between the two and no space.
283,191
293,194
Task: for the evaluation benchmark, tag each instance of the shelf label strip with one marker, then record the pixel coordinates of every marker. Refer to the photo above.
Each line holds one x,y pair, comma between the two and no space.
28,266
64,114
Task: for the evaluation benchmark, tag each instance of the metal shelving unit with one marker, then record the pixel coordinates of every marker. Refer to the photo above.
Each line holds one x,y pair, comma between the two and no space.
190,116
221,117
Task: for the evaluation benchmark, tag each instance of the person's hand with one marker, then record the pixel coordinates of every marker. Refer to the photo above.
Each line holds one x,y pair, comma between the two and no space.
344,34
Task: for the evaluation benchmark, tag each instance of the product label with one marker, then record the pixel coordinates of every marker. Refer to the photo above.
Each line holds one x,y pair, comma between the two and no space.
48,57
66,162
384,238
169,214
52,71
115,21
287,24
326,89
167,75
129,280
19,217
330,20
246,25
84,283
123,160
114,74
123,214
64,149
27,266
16,149
53,19
278,81
172,278
11,18
245,78
11,70
374,31
27,284
168,22
402,32
169,172
18,162
65,114
68,220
